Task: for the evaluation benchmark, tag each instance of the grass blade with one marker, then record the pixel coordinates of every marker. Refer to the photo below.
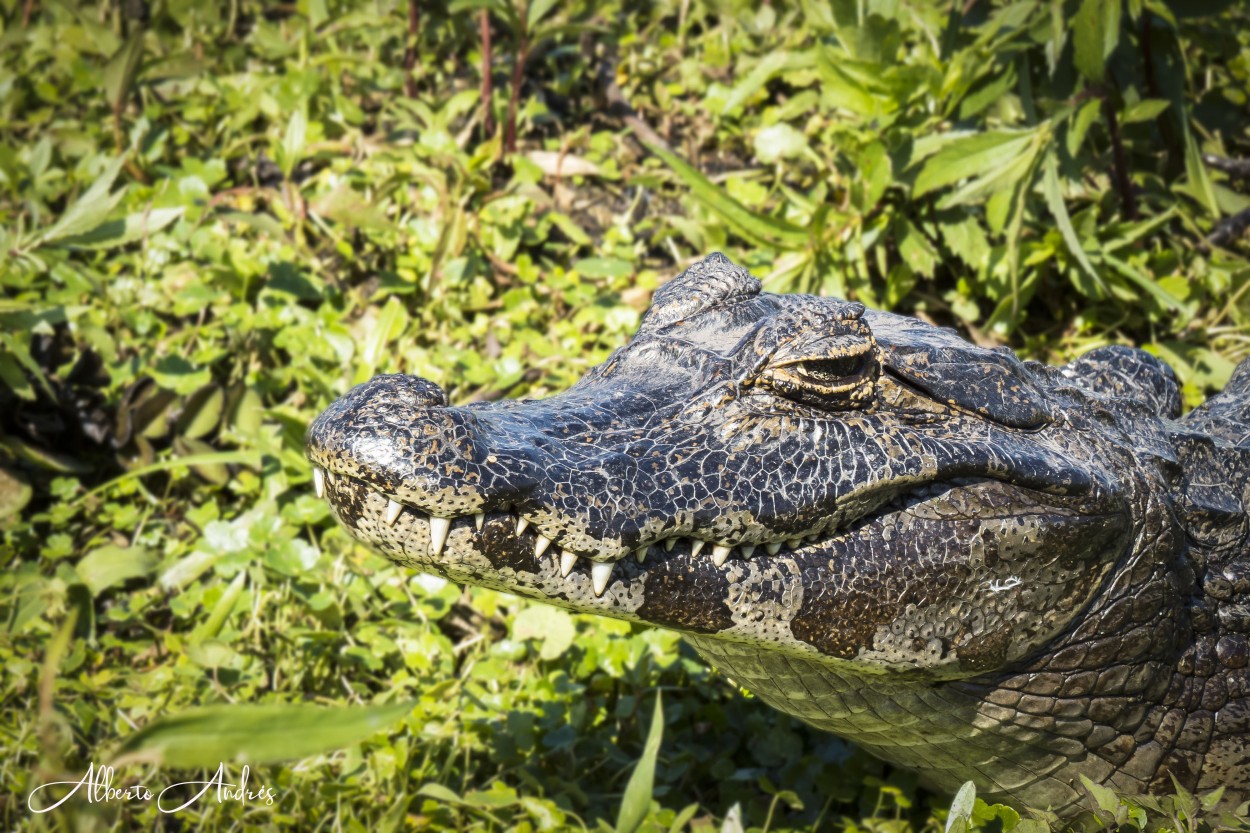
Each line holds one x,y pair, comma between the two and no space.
768,231
254,734
637,799
1127,271
1054,201
982,155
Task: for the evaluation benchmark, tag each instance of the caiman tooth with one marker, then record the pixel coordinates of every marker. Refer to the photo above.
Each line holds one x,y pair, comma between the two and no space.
669,544
439,527
521,524
600,575
393,509
773,547
748,550
567,562
540,546
696,546
794,543
319,482
720,554
640,554
479,519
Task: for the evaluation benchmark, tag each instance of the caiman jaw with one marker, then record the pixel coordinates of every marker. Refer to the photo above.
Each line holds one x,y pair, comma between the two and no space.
344,490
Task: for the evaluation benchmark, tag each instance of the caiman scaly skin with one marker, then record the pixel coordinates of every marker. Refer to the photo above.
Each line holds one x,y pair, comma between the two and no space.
973,566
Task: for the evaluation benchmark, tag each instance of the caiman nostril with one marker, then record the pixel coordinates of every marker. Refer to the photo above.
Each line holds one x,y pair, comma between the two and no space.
417,392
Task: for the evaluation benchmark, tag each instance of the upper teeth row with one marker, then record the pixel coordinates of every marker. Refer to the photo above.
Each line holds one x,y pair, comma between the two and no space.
600,571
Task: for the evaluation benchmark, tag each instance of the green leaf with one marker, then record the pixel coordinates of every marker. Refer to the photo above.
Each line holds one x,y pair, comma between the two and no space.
293,141
977,156
15,492
1148,109
1096,32
551,626
90,209
875,175
1196,172
440,793
201,413
916,249
768,231
1079,126
853,86
1054,201
211,628
254,734
391,323
538,9
603,267
636,801
43,457
1010,177
1211,799
1126,270
112,234
109,565
11,374
964,236
175,373
1104,797
121,70
212,471
317,14
683,818
962,806
768,67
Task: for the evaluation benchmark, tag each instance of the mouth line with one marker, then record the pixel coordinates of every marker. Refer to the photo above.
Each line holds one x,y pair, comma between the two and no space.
326,482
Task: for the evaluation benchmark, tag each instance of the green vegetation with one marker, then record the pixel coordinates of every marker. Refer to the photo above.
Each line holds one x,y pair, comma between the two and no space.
216,217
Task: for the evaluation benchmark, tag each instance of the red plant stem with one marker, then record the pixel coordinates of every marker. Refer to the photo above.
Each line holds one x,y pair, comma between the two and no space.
488,112
410,48
518,78
1120,165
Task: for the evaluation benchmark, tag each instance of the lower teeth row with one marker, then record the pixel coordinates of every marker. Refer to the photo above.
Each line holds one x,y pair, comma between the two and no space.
600,571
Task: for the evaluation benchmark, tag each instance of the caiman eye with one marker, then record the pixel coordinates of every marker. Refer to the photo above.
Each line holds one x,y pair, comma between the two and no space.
831,371
826,382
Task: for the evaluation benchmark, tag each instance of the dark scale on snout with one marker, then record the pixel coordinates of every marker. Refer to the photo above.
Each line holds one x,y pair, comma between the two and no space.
973,566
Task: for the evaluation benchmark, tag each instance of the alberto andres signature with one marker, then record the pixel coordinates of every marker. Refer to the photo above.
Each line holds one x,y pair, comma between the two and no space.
98,782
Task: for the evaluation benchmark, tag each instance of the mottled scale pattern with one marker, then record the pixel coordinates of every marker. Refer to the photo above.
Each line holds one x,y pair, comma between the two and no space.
973,566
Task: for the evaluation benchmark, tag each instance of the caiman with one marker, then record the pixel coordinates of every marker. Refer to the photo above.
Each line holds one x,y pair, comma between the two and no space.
972,566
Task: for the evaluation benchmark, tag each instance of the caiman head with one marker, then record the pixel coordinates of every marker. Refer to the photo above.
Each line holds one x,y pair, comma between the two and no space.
795,474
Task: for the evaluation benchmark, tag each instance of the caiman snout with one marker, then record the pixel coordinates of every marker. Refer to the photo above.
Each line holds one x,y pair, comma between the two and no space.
396,434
